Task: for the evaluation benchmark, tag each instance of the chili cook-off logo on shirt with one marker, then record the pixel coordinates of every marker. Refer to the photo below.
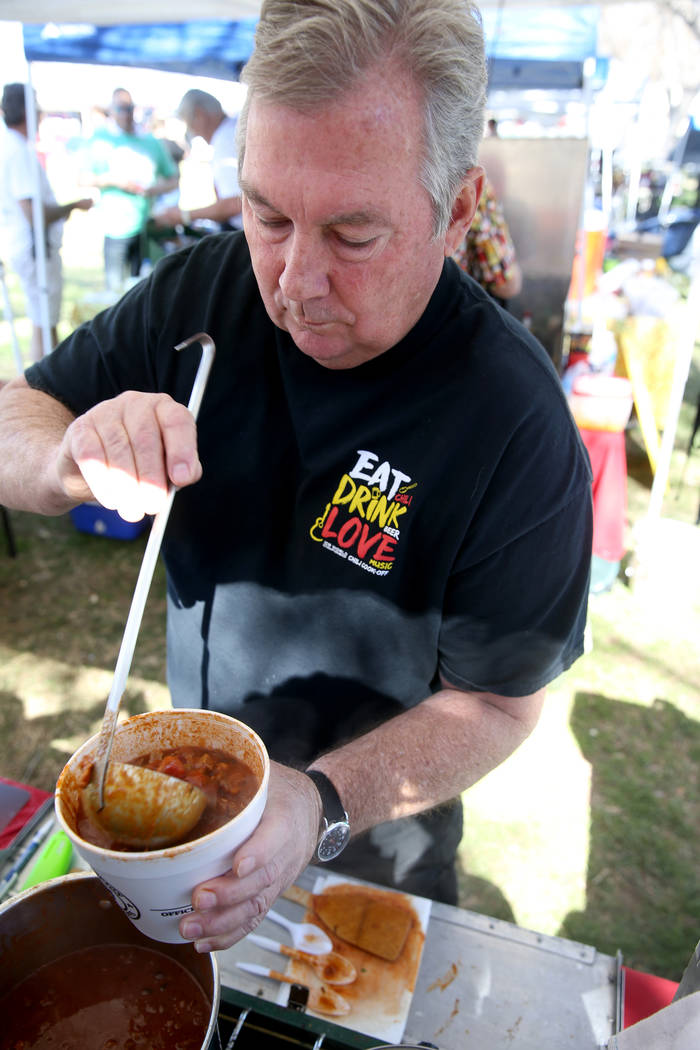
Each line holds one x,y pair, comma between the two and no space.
362,521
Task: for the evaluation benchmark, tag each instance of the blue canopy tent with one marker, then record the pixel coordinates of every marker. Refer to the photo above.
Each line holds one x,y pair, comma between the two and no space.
205,48
539,47
527,48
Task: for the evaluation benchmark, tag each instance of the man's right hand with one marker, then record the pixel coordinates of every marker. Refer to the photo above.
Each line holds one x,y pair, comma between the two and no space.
125,452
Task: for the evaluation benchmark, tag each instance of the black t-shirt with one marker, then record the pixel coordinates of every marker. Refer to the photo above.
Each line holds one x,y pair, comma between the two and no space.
357,533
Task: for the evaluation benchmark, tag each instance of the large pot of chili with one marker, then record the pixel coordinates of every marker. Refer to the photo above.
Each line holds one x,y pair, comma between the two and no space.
74,967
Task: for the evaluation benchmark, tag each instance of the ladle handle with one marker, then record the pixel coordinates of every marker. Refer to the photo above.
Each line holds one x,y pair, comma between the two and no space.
143,583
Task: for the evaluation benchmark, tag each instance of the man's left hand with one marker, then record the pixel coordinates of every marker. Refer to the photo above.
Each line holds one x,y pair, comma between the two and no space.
233,905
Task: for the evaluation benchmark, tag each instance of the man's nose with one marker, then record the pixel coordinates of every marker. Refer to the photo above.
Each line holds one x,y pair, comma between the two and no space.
305,273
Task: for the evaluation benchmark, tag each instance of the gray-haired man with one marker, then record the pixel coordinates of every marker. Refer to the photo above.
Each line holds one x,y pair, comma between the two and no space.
379,555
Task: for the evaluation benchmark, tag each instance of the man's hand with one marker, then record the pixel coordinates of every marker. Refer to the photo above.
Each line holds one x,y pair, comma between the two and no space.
169,217
231,906
124,452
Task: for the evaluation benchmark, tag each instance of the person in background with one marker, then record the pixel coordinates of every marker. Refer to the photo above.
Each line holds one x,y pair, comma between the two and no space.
19,169
203,115
130,169
487,252
379,552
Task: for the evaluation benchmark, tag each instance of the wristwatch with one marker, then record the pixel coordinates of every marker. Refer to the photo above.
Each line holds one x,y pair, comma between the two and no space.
335,827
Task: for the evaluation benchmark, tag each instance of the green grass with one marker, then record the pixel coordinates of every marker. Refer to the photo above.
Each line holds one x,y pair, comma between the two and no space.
644,895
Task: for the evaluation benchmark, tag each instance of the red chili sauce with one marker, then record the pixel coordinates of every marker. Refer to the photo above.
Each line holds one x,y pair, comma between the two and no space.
229,784
106,997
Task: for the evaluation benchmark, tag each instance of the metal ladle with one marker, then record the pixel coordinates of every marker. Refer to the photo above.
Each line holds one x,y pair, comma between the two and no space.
136,805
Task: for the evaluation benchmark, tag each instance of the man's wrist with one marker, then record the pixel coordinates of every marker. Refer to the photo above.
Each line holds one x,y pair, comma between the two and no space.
334,827
186,217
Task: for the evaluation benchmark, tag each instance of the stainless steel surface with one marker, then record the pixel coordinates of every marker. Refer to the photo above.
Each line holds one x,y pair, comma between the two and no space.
540,183
483,984
690,981
488,983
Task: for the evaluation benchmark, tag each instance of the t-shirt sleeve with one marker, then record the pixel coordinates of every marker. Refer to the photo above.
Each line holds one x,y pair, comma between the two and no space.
130,346
225,174
101,358
515,602
515,622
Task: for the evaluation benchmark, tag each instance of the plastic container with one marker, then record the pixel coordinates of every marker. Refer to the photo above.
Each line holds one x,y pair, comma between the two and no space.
98,521
601,402
154,888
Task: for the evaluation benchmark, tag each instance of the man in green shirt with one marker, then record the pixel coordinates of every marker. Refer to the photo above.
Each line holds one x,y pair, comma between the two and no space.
130,169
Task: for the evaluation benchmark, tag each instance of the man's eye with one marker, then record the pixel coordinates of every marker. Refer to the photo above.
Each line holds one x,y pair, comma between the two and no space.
272,224
353,245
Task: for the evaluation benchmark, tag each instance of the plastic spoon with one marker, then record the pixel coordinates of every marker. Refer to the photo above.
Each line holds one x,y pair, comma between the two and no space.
332,968
141,818
321,1000
305,936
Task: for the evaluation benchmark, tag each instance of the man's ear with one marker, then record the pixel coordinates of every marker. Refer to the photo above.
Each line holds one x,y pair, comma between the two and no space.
463,209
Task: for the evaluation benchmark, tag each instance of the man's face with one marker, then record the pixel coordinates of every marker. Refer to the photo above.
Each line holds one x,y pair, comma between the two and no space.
123,111
339,227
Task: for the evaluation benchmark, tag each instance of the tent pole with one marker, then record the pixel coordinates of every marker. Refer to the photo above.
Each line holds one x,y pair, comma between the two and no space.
39,225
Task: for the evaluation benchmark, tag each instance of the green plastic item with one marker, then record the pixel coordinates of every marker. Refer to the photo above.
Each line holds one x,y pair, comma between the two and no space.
55,859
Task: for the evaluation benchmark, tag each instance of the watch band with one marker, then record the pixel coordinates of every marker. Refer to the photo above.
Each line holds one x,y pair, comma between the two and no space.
335,826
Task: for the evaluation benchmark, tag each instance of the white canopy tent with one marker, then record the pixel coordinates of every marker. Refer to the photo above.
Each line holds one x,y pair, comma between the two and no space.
133,11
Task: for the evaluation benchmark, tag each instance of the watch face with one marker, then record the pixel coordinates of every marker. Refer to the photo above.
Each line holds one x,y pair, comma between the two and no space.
333,841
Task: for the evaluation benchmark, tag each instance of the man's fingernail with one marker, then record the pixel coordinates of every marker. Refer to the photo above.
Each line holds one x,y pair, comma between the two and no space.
192,930
202,946
246,867
181,473
205,899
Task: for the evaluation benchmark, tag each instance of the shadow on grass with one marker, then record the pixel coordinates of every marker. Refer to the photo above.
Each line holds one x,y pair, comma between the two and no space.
642,882
34,756
480,895
66,596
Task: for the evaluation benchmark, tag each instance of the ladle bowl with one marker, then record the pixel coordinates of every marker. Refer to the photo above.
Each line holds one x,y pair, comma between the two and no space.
167,808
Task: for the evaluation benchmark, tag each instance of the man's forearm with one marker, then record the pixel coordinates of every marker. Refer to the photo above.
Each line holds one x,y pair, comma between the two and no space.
163,185
32,425
428,754
220,211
